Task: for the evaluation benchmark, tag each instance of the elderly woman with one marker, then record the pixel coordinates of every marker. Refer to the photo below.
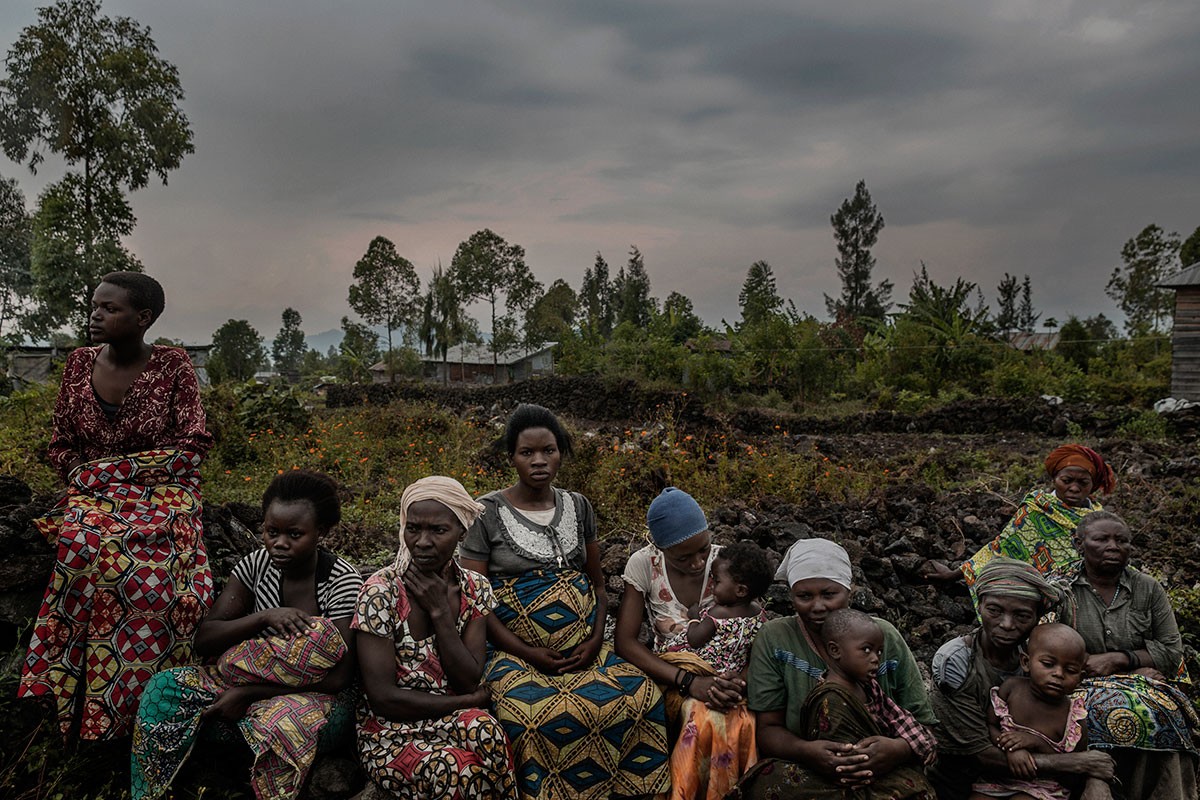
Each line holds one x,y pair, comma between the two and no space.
425,730
584,723
1012,597
787,663
662,581
1134,647
1041,532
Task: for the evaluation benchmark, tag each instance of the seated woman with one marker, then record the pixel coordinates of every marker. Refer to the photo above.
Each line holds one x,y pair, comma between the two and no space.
1041,533
128,438
282,630
787,663
1134,653
662,581
583,723
1012,597
424,731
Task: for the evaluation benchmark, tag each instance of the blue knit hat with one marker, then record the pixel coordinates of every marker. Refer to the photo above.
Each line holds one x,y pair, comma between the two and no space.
674,516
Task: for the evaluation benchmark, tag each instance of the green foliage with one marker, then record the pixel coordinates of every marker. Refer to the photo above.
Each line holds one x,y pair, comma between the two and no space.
551,315
16,235
1149,257
25,435
359,350
1189,251
1145,425
386,290
1006,312
93,90
237,352
759,298
677,321
597,300
631,292
488,268
287,350
444,323
856,227
274,406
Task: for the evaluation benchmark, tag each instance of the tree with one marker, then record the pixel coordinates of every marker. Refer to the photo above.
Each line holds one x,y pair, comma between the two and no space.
288,349
632,292
1026,317
596,299
678,319
237,352
94,91
444,322
1149,257
856,227
16,234
759,298
488,268
386,290
1189,252
944,313
358,351
1006,315
551,315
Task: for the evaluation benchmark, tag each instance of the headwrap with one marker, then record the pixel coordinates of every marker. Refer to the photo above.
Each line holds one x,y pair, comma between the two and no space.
446,491
1012,578
1076,455
815,558
673,517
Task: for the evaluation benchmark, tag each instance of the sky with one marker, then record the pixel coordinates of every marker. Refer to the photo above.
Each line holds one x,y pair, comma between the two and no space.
1021,136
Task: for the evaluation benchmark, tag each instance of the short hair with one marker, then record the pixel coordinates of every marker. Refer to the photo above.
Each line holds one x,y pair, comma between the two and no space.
749,565
1096,517
144,291
1055,632
315,487
842,621
528,415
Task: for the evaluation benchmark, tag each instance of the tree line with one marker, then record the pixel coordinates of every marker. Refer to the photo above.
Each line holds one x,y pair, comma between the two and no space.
94,91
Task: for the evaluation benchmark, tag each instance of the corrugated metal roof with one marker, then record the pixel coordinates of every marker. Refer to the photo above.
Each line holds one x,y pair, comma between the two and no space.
1029,340
1185,277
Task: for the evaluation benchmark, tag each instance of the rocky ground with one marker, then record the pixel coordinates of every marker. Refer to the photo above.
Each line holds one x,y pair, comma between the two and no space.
889,536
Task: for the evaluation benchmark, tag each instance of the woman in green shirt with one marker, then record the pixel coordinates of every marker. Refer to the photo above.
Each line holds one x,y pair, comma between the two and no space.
788,661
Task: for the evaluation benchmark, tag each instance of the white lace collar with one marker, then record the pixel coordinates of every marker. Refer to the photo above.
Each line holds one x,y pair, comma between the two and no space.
553,543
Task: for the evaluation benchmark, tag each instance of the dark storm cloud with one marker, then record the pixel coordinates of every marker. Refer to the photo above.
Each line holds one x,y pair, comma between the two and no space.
1027,137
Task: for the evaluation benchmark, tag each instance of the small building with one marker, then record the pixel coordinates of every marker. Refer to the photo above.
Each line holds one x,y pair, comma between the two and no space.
1185,333
474,363
29,364
1028,341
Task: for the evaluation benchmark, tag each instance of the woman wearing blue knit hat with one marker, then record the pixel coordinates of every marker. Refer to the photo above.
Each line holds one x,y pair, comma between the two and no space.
663,582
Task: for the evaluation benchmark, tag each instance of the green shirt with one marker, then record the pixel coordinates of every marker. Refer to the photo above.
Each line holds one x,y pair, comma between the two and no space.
1140,617
784,668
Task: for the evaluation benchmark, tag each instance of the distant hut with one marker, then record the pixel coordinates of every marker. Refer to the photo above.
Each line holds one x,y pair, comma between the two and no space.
1185,334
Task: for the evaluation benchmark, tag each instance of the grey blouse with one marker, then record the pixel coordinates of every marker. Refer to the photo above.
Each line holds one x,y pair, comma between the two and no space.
512,544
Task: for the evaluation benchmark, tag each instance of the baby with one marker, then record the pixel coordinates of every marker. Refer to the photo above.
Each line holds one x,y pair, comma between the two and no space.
849,705
1038,714
723,632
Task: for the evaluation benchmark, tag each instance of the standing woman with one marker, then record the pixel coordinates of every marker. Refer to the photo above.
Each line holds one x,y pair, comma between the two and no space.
131,580
583,722
425,731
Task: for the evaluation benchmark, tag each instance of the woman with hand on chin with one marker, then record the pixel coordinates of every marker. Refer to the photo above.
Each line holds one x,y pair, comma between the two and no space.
425,731
787,662
282,630
584,723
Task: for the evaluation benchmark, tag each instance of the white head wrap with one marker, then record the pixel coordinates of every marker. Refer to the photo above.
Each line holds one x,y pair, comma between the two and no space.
446,491
815,558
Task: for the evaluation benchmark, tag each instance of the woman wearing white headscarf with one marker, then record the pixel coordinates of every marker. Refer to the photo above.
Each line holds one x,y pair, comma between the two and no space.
425,731
788,661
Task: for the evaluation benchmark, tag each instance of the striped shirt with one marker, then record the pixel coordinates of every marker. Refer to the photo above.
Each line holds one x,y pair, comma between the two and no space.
337,583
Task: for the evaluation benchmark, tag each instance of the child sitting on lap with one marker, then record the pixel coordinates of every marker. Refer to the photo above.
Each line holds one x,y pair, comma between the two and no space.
1038,714
849,705
722,633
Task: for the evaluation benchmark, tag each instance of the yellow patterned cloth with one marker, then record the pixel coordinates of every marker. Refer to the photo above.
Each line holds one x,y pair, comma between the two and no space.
582,735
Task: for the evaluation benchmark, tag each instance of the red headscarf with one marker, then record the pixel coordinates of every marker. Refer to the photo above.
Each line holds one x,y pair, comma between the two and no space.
1076,455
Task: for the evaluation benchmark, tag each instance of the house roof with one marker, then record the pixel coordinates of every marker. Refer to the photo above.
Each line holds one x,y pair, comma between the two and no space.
1185,277
1030,340
477,354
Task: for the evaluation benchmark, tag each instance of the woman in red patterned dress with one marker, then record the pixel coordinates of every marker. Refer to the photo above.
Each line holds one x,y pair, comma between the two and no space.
131,579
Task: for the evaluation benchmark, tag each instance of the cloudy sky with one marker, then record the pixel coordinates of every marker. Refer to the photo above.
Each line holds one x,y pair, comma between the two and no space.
1021,136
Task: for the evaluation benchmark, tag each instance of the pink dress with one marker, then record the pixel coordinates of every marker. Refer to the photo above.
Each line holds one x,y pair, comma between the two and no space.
1041,789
